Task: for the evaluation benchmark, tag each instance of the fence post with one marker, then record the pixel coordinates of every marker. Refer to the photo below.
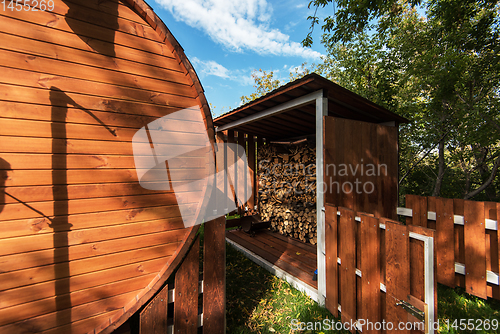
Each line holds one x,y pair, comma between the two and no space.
214,277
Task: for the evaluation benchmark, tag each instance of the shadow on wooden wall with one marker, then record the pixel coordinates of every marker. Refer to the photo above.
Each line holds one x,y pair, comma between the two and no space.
4,169
107,33
60,102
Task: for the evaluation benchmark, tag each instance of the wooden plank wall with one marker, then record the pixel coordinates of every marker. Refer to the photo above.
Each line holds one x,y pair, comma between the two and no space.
250,143
361,166
183,294
79,237
378,264
464,237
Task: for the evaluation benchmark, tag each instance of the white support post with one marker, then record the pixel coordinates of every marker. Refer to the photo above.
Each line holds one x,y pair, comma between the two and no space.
321,110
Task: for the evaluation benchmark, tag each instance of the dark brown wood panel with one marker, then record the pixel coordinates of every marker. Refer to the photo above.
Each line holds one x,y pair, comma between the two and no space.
358,173
296,270
252,169
153,318
370,270
397,272
418,204
214,277
331,269
347,254
475,250
186,292
445,241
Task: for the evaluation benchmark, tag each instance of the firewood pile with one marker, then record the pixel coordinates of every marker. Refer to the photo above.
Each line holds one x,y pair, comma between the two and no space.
287,189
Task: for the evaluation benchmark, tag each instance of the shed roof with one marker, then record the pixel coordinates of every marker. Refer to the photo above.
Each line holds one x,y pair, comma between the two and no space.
300,120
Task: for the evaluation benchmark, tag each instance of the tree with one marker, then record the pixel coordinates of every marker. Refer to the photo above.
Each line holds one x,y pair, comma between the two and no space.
265,82
441,70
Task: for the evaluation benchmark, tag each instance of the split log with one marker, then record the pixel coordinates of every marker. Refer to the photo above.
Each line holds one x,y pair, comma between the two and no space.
287,189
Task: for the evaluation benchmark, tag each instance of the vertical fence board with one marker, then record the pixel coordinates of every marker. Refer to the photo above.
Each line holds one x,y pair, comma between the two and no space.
332,287
231,160
458,209
445,241
214,277
475,250
186,293
490,212
153,318
221,140
348,264
251,165
260,143
418,204
428,233
387,137
240,180
370,269
397,272
431,206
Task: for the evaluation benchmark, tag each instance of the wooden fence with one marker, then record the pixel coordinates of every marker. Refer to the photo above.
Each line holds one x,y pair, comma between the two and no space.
190,300
250,143
467,240
374,263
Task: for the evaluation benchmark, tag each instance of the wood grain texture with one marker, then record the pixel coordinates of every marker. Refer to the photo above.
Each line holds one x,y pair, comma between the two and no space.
153,318
445,241
84,246
331,255
361,166
397,278
186,292
475,250
347,254
214,277
370,269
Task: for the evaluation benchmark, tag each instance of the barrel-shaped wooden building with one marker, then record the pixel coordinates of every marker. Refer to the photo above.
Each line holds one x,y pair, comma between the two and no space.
83,244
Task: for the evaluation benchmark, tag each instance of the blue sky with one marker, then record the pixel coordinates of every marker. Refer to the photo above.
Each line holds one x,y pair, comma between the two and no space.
226,40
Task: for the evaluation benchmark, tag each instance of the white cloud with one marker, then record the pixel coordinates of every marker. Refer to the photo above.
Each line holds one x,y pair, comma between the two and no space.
211,67
238,25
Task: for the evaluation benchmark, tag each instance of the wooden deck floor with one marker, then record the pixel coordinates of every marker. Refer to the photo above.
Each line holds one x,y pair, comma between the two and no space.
294,257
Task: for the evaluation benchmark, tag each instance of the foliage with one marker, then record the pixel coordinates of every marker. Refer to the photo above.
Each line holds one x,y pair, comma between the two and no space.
265,82
441,71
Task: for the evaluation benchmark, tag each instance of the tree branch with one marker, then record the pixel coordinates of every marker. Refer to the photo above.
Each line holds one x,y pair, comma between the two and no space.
487,183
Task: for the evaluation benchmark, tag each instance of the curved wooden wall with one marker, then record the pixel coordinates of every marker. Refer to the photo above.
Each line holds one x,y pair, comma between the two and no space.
82,244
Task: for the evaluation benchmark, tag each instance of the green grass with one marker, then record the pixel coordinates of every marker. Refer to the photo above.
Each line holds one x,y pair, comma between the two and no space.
258,302
455,304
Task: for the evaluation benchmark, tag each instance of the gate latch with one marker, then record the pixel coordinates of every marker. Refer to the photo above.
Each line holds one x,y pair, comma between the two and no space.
420,315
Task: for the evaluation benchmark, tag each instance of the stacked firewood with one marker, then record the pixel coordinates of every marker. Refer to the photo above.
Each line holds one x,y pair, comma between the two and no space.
287,189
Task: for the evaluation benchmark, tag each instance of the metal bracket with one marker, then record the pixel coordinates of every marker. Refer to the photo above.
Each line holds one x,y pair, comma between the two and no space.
420,315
